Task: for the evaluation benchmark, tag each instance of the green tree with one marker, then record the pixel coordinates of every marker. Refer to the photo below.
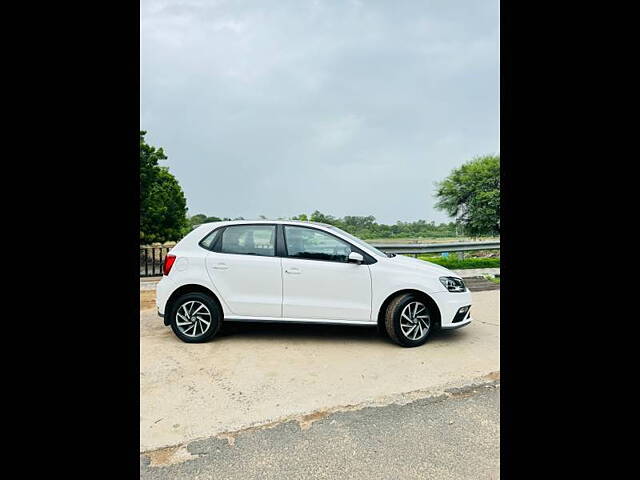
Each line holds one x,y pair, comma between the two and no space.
197,219
320,217
163,207
472,194
202,218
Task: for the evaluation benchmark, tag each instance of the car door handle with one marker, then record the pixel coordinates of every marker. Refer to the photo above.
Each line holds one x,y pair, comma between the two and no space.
220,266
292,271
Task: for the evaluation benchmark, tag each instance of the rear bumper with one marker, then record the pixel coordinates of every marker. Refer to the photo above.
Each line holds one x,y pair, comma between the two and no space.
164,288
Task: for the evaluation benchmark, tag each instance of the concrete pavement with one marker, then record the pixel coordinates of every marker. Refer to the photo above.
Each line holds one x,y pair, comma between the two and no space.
451,436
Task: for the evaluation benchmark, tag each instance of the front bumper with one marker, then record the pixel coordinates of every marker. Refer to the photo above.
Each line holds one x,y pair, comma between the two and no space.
450,304
453,326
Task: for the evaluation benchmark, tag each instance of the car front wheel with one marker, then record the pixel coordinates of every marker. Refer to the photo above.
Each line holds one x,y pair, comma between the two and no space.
195,318
408,320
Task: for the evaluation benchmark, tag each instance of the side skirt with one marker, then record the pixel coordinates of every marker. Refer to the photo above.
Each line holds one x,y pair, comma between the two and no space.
299,320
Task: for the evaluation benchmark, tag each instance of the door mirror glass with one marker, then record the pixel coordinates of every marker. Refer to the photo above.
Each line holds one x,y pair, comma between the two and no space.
356,257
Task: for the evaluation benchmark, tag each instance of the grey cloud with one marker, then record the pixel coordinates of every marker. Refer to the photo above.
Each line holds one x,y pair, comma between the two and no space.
284,107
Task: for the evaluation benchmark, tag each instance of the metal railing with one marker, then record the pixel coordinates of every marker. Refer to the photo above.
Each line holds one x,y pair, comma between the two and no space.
422,248
152,258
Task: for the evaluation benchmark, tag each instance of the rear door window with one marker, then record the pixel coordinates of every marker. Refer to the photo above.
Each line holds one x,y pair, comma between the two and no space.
249,240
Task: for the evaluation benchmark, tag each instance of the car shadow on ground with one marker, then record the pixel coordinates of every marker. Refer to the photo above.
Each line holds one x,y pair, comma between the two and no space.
282,331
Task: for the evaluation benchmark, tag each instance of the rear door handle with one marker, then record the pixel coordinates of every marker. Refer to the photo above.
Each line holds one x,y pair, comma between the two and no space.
221,266
292,271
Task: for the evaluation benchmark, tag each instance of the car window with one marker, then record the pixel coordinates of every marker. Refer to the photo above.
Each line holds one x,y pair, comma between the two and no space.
359,241
208,241
249,240
314,244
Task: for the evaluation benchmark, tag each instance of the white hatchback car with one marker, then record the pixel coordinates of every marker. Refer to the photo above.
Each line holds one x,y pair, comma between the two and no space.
303,272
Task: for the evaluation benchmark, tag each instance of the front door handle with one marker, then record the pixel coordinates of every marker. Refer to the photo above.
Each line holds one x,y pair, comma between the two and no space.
221,266
292,271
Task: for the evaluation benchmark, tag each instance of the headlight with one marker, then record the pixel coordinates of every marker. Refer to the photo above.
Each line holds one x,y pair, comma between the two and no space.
453,284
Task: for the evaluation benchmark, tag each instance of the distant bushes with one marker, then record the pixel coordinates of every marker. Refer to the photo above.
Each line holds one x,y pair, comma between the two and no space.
454,263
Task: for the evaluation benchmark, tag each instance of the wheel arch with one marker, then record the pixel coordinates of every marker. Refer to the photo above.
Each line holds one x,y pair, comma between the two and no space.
421,295
184,289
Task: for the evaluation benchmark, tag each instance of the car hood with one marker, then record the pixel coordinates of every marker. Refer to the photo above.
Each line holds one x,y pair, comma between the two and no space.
414,263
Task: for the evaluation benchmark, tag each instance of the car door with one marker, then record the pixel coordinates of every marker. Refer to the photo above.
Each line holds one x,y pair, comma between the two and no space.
318,282
244,268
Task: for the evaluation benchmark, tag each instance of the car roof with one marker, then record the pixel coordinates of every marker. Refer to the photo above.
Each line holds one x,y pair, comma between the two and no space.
271,222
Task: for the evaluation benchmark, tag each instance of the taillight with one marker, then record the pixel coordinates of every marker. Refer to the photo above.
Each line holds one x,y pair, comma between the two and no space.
169,260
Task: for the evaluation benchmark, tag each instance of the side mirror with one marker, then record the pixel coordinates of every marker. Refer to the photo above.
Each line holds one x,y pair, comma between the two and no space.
355,257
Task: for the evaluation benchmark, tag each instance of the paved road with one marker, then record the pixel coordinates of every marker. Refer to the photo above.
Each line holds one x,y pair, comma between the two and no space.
454,436
255,374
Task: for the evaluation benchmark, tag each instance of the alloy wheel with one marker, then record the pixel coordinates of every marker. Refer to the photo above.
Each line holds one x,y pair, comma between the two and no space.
193,318
415,321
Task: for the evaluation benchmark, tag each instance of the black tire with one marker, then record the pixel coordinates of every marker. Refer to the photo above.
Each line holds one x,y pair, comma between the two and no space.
392,319
382,330
177,312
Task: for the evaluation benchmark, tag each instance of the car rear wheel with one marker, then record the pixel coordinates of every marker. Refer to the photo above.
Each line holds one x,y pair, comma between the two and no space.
195,318
408,320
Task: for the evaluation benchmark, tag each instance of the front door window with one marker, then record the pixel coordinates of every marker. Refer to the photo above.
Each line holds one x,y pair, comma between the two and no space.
312,244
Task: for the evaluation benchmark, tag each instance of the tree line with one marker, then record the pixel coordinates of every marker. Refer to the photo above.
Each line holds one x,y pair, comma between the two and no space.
360,226
470,195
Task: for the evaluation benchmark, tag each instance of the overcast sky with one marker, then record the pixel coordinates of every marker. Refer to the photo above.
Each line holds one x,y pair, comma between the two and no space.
355,107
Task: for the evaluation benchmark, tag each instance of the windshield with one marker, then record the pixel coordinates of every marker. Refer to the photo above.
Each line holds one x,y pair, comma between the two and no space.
359,242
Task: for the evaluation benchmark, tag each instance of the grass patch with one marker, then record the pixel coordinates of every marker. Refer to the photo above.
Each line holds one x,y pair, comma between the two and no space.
454,263
493,279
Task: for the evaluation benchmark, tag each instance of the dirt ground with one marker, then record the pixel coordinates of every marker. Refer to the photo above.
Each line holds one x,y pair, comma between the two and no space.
147,299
